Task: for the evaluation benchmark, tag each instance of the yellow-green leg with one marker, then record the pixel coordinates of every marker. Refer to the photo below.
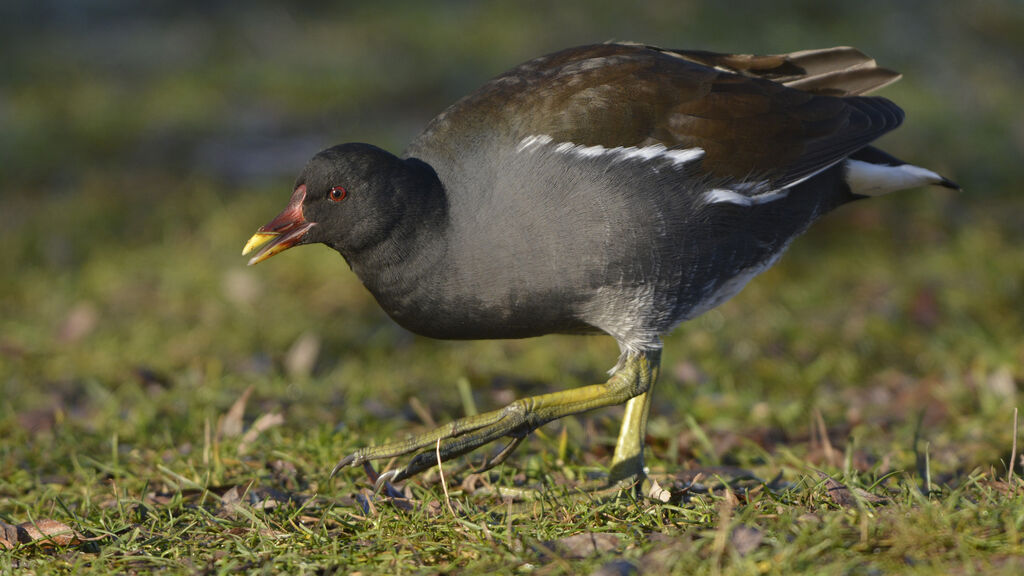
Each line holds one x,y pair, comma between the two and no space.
630,382
628,460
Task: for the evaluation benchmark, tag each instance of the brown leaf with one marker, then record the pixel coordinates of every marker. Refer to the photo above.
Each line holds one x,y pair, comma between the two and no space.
845,497
838,492
746,539
38,420
46,531
8,534
80,322
255,497
234,495
584,545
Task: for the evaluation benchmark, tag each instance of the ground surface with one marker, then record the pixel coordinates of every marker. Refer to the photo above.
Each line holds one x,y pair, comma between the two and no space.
166,408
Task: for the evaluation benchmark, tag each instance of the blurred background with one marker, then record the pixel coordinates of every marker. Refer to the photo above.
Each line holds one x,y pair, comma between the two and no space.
244,96
142,143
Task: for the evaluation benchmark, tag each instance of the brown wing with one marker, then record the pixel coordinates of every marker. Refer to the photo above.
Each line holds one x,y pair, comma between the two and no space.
781,117
839,71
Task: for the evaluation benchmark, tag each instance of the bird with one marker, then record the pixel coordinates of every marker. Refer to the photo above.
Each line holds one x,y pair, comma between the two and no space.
615,188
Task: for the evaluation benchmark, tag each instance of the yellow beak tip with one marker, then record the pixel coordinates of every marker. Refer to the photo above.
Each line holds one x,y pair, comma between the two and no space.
258,239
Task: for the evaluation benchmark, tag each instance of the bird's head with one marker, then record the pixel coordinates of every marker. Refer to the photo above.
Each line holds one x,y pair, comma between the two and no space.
348,197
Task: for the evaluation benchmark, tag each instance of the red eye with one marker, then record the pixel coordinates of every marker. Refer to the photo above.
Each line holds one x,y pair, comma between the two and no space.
337,194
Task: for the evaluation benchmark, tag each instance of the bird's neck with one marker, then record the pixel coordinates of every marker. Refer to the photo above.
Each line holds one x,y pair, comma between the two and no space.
412,252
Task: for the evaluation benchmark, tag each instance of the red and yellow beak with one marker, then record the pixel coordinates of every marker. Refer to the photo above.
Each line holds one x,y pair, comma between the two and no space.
281,233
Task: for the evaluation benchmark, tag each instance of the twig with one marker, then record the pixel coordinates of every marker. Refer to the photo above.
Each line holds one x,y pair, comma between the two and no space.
444,485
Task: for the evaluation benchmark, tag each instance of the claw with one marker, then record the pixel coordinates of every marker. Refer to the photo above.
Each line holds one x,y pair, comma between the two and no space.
501,456
384,478
346,461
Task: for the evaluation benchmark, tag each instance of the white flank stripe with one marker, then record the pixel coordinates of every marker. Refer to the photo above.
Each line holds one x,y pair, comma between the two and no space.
869,179
533,142
619,153
726,196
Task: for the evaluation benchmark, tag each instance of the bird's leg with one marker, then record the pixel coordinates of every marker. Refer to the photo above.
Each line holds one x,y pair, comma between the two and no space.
630,381
628,460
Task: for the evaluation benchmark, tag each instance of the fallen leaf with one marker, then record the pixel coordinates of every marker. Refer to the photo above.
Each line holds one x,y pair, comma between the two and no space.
234,494
838,492
48,532
845,497
253,496
746,539
658,493
38,420
8,534
79,323
583,545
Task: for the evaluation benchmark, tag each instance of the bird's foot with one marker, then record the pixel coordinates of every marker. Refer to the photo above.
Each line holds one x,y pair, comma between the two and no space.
516,421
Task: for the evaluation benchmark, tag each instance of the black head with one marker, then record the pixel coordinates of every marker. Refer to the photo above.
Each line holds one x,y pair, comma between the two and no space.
353,195
350,197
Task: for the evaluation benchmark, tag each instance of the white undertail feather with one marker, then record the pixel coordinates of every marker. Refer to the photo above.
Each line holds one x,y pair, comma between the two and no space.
869,179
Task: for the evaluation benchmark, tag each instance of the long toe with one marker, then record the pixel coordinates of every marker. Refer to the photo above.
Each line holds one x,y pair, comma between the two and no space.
516,420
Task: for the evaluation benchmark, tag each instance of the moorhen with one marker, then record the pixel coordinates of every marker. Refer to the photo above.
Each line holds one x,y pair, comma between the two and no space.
616,188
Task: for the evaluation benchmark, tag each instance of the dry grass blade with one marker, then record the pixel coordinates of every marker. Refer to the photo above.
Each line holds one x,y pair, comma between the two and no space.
444,483
262,424
1013,451
722,532
829,453
231,424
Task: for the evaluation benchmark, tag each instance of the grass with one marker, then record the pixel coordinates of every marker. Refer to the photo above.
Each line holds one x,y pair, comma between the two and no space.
120,375
851,412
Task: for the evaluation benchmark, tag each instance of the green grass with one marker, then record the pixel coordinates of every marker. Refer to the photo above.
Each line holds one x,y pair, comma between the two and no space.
131,329
118,372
